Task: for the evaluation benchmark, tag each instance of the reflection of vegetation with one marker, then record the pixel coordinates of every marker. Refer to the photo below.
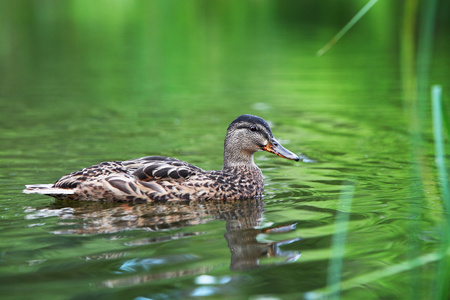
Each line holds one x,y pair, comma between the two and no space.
162,48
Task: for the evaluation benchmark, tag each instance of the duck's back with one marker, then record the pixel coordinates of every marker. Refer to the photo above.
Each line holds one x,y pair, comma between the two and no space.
156,178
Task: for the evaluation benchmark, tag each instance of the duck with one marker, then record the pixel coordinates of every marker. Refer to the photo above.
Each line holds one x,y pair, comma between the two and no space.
160,178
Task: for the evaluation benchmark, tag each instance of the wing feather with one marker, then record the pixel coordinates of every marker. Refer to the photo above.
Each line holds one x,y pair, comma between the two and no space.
160,168
105,168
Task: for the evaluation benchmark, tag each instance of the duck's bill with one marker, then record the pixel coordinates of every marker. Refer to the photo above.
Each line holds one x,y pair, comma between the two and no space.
273,146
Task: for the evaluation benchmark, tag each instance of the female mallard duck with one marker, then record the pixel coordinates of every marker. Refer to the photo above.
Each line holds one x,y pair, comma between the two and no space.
158,178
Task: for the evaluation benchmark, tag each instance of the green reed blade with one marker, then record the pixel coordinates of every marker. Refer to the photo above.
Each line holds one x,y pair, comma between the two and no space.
438,131
381,274
418,200
443,274
338,241
347,27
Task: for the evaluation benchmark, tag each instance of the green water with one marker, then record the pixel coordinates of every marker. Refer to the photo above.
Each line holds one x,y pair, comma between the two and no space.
84,82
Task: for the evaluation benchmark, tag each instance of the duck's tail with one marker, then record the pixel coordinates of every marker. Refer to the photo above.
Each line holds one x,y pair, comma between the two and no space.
47,189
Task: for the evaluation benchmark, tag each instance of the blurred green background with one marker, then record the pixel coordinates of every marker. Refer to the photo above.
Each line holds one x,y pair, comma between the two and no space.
119,65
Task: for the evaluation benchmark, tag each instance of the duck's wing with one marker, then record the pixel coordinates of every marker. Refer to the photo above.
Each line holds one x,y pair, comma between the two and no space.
160,168
103,169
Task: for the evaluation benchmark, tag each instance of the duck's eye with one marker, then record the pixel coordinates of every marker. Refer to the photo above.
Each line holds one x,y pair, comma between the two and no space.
253,128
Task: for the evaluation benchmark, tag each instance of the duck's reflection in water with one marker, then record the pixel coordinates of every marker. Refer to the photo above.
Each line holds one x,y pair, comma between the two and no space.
242,218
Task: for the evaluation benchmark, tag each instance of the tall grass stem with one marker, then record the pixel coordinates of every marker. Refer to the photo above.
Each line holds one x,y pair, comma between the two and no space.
419,160
347,27
339,240
438,131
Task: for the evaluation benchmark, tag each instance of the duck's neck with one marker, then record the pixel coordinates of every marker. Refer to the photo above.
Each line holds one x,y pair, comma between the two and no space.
237,158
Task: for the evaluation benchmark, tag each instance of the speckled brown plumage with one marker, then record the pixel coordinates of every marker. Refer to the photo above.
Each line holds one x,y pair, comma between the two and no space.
159,178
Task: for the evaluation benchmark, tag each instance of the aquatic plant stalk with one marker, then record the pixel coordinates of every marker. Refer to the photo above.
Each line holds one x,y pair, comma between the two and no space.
347,27
381,274
425,49
419,161
438,132
338,241
409,86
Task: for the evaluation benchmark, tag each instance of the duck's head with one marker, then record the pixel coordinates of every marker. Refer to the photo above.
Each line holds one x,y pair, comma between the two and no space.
247,135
